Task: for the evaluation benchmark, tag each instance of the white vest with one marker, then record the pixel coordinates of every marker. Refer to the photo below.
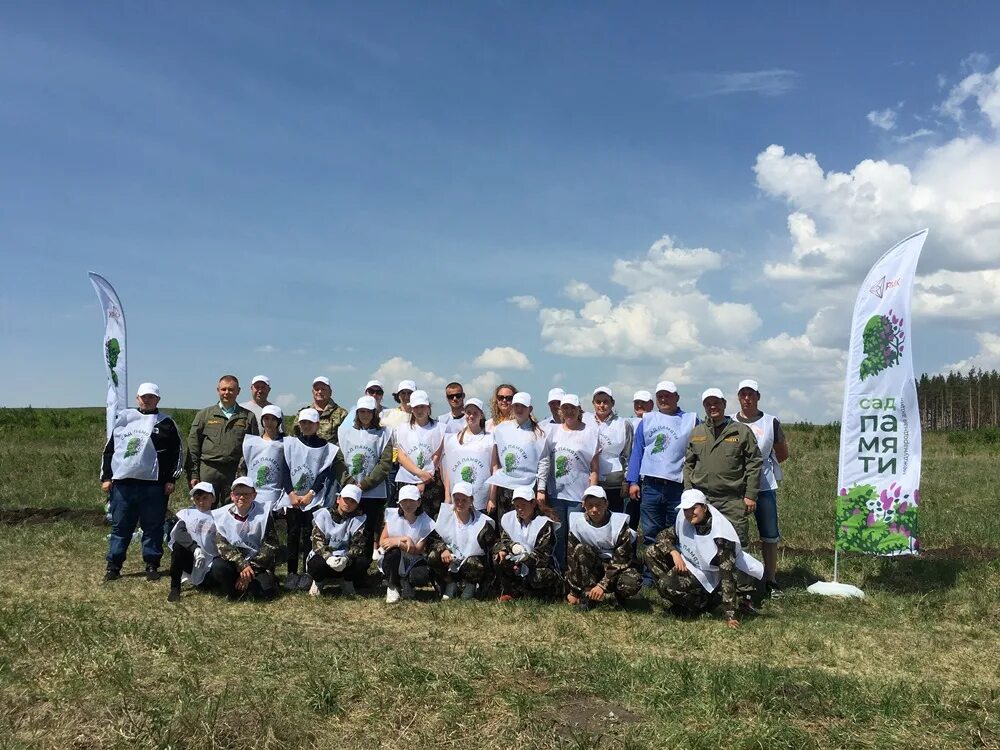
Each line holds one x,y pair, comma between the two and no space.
462,538
763,430
397,525
450,424
519,450
201,527
613,434
665,438
572,452
135,455
525,534
470,462
248,535
265,460
601,538
338,535
304,465
362,450
699,550
419,444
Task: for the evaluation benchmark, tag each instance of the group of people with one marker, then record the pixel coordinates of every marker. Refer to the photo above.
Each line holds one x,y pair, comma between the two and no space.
484,499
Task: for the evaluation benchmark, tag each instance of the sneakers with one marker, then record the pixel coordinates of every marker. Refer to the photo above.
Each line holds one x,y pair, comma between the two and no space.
112,574
391,595
347,589
152,574
174,595
469,591
314,589
305,582
291,582
450,591
406,590
774,590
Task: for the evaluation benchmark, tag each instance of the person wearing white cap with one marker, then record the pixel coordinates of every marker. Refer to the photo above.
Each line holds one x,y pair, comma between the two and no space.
554,402
192,541
247,544
774,451
458,548
331,415
658,460
264,457
521,456
576,451
601,558
367,449
616,435
376,389
392,418
724,461
642,403
339,555
501,406
401,546
139,467
468,456
215,440
419,442
454,419
260,389
699,563
524,558
314,467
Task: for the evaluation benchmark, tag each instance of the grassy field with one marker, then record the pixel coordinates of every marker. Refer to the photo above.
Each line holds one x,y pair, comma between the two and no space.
87,665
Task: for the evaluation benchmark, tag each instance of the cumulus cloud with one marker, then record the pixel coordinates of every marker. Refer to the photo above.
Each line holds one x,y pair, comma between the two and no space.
483,385
502,358
884,119
286,401
396,369
987,358
524,302
579,291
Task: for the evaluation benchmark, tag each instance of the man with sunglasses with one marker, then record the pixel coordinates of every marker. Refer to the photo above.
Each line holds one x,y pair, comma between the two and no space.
454,420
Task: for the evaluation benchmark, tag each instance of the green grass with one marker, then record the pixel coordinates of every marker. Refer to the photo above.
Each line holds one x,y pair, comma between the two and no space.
85,665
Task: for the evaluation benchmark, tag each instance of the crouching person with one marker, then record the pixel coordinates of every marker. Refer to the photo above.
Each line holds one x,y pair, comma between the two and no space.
601,560
460,544
525,555
402,544
338,544
699,564
192,541
247,543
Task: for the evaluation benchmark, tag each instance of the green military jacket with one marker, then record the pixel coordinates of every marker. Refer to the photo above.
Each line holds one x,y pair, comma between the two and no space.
330,420
725,466
215,439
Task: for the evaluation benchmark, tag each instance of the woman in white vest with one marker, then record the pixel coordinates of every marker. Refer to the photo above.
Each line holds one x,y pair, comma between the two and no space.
402,545
575,459
367,448
601,562
264,457
314,467
458,549
247,544
520,457
192,541
338,556
615,433
419,442
501,406
468,456
699,563
524,558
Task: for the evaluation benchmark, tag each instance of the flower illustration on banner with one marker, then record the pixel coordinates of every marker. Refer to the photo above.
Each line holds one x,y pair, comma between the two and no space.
878,522
883,339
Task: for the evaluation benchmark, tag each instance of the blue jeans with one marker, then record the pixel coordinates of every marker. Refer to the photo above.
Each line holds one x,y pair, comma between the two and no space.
132,504
767,516
657,509
563,508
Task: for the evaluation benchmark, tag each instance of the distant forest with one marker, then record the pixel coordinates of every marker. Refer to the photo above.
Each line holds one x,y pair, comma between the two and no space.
959,402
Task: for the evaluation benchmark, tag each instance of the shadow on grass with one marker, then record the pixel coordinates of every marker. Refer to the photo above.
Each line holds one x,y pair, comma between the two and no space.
914,575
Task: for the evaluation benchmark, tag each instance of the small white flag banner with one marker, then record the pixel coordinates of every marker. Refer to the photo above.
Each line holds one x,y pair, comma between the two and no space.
113,348
879,476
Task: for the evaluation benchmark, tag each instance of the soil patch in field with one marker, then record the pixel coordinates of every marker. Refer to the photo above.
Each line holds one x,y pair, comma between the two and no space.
591,714
31,516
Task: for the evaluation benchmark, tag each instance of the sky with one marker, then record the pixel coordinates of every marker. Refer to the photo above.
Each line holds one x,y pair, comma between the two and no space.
572,194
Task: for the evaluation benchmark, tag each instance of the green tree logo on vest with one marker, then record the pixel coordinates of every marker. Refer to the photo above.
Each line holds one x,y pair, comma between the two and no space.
111,351
659,443
303,482
263,474
562,466
419,461
468,474
883,343
132,447
509,462
357,465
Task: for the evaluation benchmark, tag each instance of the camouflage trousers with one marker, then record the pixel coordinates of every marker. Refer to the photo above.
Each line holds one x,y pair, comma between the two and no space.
473,570
539,581
682,590
585,569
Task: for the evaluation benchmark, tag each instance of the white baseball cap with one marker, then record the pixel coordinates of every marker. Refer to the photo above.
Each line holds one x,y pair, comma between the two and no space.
419,398
475,402
556,394
666,385
523,398
308,415
596,491
261,379
366,402
409,492
374,383
605,390
570,398
709,392
243,482
463,488
322,379
203,487
524,493
351,492
148,389
748,383
274,411
405,385
691,498
642,396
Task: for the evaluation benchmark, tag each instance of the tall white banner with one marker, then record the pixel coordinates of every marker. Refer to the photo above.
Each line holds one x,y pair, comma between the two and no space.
113,350
879,475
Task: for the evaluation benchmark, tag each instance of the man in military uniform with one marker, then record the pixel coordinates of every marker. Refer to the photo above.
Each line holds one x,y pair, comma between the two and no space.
331,416
215,441
724,461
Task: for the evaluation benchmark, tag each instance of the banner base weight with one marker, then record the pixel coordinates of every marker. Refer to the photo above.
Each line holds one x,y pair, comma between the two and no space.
829,588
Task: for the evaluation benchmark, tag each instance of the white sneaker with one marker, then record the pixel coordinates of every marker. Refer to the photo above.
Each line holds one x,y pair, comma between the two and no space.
347,588
450,591
391,595
314,589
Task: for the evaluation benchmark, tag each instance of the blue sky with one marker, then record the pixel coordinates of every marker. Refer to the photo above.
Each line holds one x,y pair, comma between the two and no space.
357,189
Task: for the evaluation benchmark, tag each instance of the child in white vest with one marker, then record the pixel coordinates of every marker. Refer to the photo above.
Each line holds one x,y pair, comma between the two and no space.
458,549
524,556
247,543
402,545
192,541
338,544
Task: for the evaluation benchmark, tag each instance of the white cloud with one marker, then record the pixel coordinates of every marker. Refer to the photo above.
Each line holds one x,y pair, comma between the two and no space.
524,302
286,401
578,291
984,87
502,358
885,119
921,133
959,296
987,358
265,349
483,385
769,82
393,370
